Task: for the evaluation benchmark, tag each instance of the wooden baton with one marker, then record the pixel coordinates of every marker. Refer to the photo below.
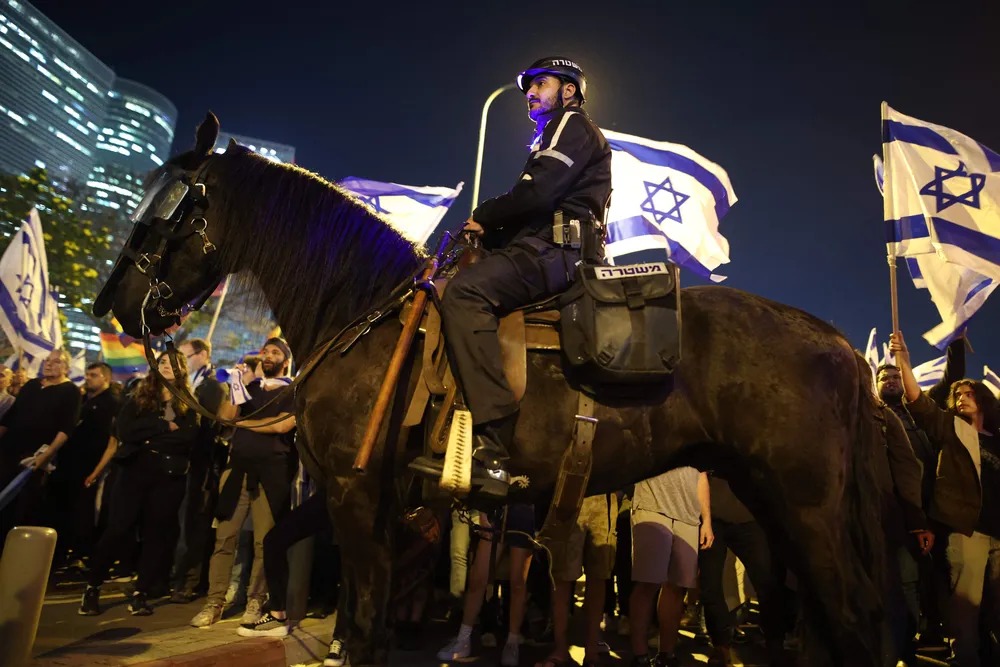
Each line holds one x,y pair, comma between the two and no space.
388,387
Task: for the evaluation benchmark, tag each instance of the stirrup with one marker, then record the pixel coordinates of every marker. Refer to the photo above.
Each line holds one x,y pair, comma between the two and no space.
456,475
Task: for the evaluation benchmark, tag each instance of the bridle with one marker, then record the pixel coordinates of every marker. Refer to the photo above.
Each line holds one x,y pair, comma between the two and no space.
173,210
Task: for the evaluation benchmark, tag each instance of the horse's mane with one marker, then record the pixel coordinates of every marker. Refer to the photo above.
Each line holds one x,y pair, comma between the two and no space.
304,237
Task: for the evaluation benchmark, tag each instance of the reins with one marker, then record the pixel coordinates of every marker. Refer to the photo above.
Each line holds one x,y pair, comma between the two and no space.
339,342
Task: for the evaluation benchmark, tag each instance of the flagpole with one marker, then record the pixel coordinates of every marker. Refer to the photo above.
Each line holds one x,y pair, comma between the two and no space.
218,309
482,140
888,215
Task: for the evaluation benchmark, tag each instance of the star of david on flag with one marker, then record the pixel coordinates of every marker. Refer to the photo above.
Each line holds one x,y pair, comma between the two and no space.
941,194
413,211
666,204
29,311
673,206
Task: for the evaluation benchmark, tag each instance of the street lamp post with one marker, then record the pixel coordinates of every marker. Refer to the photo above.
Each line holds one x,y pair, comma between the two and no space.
482,140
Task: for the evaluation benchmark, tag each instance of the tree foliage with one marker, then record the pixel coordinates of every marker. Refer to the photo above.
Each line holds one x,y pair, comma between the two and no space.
78,242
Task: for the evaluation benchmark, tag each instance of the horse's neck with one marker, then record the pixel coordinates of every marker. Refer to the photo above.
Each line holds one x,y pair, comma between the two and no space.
303,337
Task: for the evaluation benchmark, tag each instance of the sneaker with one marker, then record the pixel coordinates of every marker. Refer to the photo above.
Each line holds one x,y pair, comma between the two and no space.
488,640
624,627
252,613
265,626
90,605
456,649
665,660
138,606
337,655
511,654
207,616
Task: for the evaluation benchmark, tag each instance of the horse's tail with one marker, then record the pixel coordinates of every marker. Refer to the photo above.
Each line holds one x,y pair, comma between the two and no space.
863,505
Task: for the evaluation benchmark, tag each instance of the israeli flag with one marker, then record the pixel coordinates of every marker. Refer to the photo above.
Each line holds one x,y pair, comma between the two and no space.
78,368
414,212
941,191
667,202
930,372
948,180
871,353
887,356
29,311
991,380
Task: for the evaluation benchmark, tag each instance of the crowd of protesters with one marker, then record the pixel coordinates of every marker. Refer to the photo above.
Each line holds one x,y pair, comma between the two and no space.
137,483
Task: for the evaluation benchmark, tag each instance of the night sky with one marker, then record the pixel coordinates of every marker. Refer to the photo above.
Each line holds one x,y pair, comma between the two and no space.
784,96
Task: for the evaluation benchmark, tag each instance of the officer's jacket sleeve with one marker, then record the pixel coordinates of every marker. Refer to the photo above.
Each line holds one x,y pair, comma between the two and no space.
567,147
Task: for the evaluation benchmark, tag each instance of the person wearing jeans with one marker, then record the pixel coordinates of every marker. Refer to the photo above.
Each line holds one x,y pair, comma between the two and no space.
262,464
735,528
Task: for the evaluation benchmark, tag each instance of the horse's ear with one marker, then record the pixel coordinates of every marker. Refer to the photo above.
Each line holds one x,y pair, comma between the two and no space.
232,144
206,135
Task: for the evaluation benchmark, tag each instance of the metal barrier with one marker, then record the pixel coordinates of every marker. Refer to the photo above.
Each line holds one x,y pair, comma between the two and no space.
24,572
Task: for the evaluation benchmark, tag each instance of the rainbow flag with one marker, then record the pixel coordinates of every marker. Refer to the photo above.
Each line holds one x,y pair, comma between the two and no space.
125,358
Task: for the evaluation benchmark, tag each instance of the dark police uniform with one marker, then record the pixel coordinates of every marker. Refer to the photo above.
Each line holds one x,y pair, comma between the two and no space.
569,170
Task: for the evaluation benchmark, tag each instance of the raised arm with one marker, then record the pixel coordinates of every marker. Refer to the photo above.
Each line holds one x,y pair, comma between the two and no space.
954,370
898,347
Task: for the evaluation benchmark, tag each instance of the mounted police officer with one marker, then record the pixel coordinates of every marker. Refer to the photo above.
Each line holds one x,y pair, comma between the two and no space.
534,233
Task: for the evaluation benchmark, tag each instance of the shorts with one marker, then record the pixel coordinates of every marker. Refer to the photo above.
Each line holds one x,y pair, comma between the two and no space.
664,550
519,529
590,547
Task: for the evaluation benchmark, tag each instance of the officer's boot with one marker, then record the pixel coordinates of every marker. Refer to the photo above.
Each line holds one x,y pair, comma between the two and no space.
490,455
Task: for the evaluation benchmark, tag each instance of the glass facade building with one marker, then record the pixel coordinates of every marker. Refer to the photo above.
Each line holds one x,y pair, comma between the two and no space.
135,139
53,96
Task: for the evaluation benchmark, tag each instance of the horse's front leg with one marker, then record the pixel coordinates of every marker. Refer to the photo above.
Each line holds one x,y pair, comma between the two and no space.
366,557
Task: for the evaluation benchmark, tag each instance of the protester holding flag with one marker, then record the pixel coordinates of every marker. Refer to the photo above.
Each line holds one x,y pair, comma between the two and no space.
966,496
156,432
32,432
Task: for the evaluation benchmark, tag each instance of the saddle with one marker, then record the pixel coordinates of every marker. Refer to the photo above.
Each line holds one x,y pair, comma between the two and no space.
531,328
620,326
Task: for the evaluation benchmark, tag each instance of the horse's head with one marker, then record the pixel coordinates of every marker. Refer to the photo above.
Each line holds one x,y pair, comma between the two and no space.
168,265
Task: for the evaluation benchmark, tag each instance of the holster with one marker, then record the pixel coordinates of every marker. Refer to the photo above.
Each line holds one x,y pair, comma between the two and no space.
585,234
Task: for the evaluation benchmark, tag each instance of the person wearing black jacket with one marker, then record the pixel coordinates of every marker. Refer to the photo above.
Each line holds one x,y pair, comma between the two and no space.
71,502
156,433
36,426
208,458
567,177
924,579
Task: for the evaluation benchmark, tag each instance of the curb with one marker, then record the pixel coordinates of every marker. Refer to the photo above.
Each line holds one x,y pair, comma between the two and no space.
256,652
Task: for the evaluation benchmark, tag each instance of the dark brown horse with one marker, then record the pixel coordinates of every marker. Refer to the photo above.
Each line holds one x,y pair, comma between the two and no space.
773,398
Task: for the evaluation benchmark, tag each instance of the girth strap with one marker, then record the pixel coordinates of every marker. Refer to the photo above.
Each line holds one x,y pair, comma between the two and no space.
574,475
